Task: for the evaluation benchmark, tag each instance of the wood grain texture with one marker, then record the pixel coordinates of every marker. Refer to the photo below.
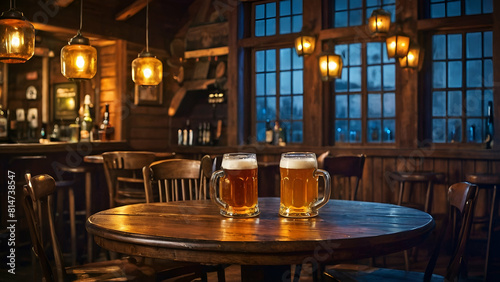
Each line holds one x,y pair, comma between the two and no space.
195,231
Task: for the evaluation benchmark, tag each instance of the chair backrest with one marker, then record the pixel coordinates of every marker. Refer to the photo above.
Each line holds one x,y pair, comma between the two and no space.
346,172
123,171
173,180
37,202
461,200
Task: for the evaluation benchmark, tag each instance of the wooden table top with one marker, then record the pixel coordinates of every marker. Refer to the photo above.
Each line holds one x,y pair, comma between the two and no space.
195,231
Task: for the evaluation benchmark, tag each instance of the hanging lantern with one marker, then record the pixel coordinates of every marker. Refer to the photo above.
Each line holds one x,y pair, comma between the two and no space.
146,68
379,22
79,58
330,66
305,44
411,59
397,45
17,37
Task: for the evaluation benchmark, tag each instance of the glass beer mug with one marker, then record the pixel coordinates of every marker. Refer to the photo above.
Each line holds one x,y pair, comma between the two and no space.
236,184
299,185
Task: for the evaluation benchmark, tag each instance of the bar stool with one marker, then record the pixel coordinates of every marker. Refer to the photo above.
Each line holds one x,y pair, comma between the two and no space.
78,174
413,178
489,182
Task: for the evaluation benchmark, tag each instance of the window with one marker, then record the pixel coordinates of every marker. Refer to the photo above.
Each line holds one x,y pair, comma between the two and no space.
365,62
352,12
462,81
453,8
278,71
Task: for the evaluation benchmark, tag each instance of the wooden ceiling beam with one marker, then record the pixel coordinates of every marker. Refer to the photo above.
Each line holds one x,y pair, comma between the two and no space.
131,10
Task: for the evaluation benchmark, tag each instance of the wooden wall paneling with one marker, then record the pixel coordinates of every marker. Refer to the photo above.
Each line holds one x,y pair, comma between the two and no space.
377,181
440,193
390,190
367,184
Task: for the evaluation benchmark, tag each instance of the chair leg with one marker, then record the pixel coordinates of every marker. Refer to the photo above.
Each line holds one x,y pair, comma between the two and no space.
88,199
298,270
72,222
407,261
221,273
490,230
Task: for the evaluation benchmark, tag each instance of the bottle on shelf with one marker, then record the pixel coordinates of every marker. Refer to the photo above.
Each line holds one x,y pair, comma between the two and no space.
269,132
106,130
86,126
4,129
75,130
187,134
200,134
276,133
489,127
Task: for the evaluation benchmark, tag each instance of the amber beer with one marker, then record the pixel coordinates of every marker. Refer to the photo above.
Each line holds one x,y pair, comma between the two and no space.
238,189
299,185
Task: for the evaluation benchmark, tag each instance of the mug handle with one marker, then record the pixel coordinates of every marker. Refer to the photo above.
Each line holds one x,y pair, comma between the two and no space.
213,189
326,193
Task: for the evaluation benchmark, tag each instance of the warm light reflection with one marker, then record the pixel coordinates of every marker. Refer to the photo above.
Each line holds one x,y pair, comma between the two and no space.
411,60
379,22
80,62
397,45
305,45
17,39
147,70
330,66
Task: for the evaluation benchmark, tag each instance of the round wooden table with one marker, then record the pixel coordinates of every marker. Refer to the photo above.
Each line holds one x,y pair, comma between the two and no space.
195,231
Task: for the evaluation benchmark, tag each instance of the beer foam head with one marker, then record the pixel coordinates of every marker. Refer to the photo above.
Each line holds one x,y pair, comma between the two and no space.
298,163
247,163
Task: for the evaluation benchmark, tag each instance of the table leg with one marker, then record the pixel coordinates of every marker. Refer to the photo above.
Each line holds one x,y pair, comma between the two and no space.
251,273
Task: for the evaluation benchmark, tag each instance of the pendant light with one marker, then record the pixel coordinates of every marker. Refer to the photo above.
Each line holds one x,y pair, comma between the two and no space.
305,43
330,65
397,44
411,60
379,22
79,58
17,37
147,69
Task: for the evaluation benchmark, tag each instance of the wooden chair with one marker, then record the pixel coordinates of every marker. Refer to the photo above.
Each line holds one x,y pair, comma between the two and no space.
346,172
180,180
37,201
461,199
123,171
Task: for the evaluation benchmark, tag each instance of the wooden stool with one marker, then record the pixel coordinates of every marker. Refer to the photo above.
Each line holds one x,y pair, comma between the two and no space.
490,182
68,185
416,177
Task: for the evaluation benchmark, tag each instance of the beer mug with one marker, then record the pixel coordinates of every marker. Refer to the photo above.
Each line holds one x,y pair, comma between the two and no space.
299,185
237,185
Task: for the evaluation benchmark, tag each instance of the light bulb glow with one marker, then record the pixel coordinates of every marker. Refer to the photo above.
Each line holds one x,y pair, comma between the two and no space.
332,66
80,62
15,41
147,72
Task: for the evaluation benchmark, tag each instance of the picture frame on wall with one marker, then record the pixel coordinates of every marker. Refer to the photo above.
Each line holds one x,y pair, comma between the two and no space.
66,101
148,95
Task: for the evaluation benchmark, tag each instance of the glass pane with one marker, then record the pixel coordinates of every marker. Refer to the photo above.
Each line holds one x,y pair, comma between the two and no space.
437,10
353,4
488,73
298,62
374,106
297,23
454,74
439,47
285,8
488,43
355,17
270,27
474,131
454,103
271,60
454,130
438,130
271,83
389,105
389,130
355,54
341,83
474,45
473,100
373,51
438,104
341,106
298,106
354,79
371,3
286,82
340,19
297,82
285,25
454,46
260,11
487,6
285,107
259,61
286,131
270,10
271,108
439,75
389,77
260,27
342,50
374,131
354,131
260,82
392,10
355,106
487,96
373,78
386,59
472,7
341,131
474,73
453,9
340,5
285,57
260,105
261,132
297,7
297,130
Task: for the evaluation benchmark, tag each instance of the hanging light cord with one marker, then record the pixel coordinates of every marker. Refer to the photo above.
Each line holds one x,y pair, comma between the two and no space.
147,25
12,5
81,15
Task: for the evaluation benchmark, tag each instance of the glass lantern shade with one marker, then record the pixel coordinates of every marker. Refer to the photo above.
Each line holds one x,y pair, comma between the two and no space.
397,45
330,66
379,22
147,70
411,59
17,38
305,45
78,60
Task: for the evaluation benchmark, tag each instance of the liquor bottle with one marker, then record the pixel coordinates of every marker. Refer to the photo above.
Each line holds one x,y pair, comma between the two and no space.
269,132
200,134
276,133
106,130
489,127
185,133
208,134
86,126
4,133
